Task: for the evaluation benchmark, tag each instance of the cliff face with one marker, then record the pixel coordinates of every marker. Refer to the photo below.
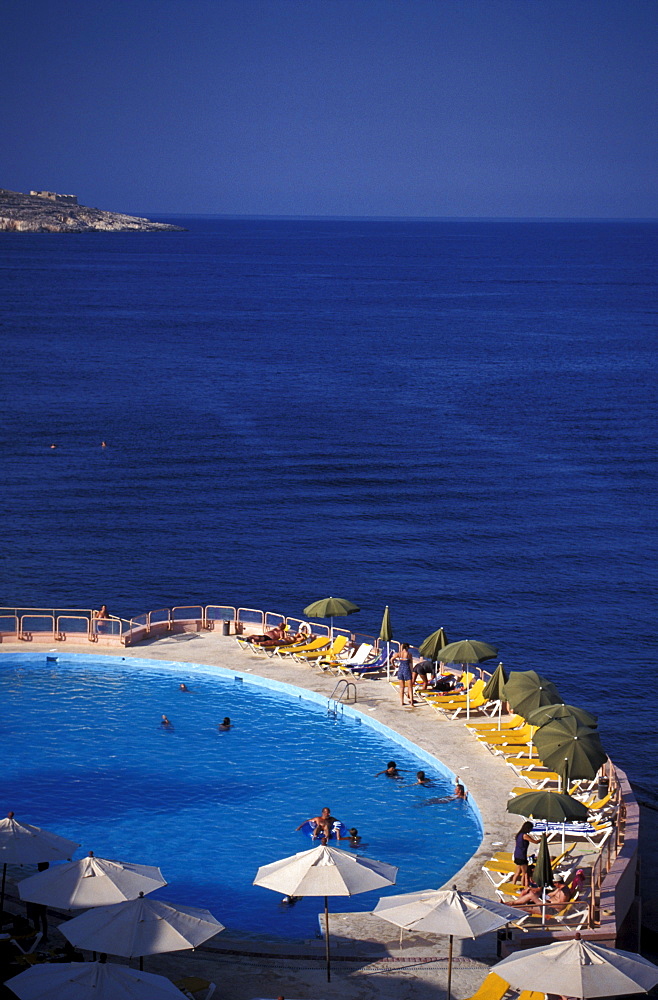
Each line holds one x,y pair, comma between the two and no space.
24,213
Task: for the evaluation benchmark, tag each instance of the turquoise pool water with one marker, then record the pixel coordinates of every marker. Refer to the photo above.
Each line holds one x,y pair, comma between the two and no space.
84,755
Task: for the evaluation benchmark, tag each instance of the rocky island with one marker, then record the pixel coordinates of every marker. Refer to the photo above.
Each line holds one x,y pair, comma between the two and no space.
48,212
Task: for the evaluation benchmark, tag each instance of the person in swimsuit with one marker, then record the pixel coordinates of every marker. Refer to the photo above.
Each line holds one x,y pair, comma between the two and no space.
405,674
102,619
223,726
323,823
391,771
272,635
559,896
523,838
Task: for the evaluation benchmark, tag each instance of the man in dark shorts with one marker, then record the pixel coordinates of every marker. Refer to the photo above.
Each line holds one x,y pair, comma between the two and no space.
425,670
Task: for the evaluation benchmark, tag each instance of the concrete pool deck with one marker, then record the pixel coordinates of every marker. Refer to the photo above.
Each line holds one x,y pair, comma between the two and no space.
366,957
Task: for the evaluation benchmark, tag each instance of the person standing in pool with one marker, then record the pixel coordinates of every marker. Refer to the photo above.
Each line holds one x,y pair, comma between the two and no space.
405,674
225,725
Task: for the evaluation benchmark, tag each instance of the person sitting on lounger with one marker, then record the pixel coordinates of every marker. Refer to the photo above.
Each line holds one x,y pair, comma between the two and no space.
558,896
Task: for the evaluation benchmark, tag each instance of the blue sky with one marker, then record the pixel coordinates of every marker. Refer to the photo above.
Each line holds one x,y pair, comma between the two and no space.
335,107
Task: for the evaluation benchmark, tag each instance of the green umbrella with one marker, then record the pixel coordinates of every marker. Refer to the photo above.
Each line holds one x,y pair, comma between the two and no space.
526,691
493,690
468,651
573,750
543,870
553,807
386,633
431,647
549,712
330,607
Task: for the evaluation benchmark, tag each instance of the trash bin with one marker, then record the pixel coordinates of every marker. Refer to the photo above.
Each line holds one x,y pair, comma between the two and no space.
602,787
226,628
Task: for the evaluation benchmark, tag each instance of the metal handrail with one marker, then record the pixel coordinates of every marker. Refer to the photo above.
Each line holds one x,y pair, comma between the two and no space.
346,690
22,631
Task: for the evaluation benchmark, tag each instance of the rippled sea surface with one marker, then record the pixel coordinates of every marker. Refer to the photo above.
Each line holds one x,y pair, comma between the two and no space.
453,418
210,807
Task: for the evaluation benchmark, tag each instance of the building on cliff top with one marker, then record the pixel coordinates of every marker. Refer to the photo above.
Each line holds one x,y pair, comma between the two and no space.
67,199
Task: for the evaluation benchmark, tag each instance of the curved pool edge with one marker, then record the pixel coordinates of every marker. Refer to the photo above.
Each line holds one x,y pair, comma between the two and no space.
446,746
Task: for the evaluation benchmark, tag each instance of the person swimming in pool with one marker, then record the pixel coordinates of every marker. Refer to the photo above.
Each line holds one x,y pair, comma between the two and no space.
352,836
422,779
323,824
226,724
183,687
459,794
391,771
165,723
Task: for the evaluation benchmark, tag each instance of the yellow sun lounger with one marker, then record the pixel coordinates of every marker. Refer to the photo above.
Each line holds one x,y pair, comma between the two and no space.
320,643
511,725
334,649
523,735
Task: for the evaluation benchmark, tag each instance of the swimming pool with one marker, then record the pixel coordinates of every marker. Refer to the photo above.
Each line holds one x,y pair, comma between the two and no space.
86,757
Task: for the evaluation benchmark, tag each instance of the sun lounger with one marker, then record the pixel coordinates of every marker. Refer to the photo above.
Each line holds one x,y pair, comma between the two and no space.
357,659
595,834
503,865
493,988
336,647
512,724
315,644
371,668
523,736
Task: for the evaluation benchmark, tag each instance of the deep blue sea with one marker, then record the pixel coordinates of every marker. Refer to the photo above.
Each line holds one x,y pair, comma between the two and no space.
455,418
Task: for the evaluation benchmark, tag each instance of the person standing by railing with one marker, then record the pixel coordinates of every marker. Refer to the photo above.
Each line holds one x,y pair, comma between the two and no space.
102,620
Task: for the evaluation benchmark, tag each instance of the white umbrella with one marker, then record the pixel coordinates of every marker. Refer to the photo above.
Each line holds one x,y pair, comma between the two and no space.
22,844
90,882
325,871
90,981
140,927
578,969
445,911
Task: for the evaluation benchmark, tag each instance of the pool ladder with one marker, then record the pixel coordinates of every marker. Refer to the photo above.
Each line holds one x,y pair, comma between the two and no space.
342,690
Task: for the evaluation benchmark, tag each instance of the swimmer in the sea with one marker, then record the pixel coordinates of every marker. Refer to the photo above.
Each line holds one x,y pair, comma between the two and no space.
165,723
183,687
226,724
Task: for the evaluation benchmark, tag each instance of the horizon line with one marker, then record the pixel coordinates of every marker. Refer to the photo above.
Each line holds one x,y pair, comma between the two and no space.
409,218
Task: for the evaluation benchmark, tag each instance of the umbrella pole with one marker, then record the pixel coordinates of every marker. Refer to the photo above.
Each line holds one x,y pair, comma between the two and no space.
388,661
4,878
449,967
326,937
141,963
